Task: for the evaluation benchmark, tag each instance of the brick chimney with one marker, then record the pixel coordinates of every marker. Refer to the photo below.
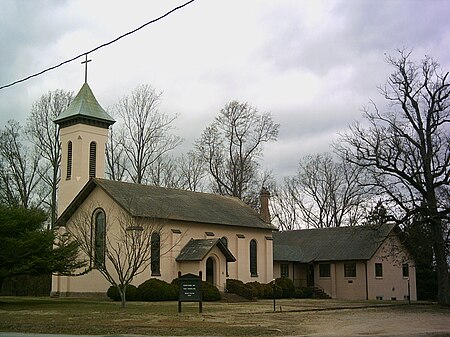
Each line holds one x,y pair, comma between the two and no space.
264,207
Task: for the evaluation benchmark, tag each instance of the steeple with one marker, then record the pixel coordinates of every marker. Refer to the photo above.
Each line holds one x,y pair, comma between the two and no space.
84,109
84,127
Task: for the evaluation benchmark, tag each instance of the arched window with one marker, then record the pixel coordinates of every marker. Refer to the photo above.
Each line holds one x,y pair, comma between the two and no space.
92,159
69,161
253,259
99,239
225,243
156,253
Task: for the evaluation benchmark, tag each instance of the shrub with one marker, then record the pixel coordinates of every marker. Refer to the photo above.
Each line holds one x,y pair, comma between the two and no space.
287,286
131,293
113,293
210,292
232,285
268,291
304,293
257,289
156,290
239,288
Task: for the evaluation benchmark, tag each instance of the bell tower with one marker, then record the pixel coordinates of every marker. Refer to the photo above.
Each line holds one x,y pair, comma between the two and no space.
84,127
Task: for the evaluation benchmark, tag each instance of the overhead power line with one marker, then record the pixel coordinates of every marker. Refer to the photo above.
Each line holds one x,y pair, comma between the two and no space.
98,47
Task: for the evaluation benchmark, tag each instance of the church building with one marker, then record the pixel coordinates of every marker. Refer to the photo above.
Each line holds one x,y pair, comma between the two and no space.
193,232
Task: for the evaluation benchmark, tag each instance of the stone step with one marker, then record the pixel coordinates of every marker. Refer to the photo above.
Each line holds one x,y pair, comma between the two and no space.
320,293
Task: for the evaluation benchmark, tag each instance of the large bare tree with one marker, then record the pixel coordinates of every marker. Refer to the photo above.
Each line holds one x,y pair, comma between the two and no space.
323,193
146,132
44,134
19,165
232,147
406,148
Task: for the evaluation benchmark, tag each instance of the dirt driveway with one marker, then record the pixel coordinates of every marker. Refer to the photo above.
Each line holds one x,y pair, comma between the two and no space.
334,318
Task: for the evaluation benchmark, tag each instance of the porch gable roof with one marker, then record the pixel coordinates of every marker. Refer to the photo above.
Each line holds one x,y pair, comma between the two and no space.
198,249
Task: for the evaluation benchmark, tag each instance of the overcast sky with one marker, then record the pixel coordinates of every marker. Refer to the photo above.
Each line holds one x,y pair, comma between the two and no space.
312,64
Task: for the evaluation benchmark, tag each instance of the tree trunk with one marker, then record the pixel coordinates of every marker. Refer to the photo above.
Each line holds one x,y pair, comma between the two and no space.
122,292
441,262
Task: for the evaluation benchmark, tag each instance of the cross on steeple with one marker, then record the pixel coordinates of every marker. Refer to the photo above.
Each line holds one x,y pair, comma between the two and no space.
85,62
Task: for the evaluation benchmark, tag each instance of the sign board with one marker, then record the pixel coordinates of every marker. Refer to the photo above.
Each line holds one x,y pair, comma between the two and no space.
190,289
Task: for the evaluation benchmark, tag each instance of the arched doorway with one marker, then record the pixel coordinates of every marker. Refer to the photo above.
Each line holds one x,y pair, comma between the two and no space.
210,269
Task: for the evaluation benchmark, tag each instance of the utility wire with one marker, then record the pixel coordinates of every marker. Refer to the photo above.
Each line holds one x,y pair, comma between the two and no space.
98,47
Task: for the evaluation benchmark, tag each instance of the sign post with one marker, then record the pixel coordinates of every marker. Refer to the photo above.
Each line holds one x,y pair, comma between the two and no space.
190,290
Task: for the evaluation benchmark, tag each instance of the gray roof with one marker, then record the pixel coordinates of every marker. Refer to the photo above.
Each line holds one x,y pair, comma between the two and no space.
173,204
329,244
85,109
197,249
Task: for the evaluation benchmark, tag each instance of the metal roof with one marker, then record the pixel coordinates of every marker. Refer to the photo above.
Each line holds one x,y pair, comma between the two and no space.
329,244
198,249
84,109
173,204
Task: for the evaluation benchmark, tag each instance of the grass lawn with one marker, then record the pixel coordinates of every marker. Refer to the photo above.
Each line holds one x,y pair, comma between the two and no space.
86,316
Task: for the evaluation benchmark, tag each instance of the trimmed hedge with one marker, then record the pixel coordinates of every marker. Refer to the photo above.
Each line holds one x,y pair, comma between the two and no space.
304,293
210,292
131,293
284,288
257,289
157,290
268,291
287,286
239,288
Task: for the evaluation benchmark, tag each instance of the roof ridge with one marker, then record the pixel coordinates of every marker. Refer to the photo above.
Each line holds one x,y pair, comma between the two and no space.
174,189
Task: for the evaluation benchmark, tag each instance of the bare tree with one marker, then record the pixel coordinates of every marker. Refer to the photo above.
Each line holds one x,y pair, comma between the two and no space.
324,193
232,146
406,148
283,208
19,176
146,131
191,172
121,252
44,134
115,155
163,172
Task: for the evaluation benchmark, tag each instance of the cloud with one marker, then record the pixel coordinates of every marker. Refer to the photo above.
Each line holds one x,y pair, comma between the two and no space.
312,63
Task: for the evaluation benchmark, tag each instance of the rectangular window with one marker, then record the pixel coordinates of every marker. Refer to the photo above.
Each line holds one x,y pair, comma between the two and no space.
405,270
284,270
324,270
253,258
350,269
69,161
92,159
378,270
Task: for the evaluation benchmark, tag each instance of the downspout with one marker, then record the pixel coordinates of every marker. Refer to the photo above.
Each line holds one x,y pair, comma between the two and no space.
367,281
